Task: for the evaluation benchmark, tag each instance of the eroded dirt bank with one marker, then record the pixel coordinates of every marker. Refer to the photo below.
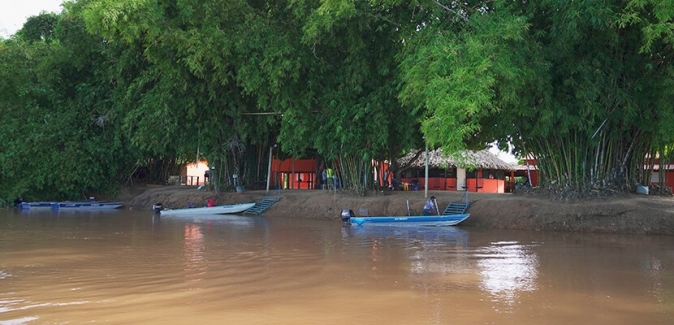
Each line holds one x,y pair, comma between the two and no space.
635,214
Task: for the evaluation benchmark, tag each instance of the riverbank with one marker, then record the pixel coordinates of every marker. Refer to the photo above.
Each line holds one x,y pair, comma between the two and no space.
628,214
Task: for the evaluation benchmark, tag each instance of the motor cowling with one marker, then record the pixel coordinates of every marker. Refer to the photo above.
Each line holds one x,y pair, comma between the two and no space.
157,207
346,215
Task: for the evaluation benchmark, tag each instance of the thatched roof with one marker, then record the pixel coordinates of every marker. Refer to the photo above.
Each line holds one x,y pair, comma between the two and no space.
468,159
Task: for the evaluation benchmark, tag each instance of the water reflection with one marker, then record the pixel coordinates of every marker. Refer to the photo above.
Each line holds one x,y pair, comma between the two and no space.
655,271
233,220
438,260
506,270
123,269
194,249
433,236
19,321
435,256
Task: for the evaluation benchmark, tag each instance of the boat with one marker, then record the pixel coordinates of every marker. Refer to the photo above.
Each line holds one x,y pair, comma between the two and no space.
454,214
441,220
70,205
35,205
87,205
218,209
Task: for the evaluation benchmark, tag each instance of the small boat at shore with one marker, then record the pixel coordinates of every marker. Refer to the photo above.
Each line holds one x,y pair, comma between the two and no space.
454,214
441,220
218,209
34,205
68,205
93,205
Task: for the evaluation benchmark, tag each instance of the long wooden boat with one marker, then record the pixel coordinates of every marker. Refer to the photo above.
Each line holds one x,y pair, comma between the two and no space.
441,220
35,205
218,209
87,205
67,205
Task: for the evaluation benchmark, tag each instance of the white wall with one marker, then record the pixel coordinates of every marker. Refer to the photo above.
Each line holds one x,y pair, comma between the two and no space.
460,179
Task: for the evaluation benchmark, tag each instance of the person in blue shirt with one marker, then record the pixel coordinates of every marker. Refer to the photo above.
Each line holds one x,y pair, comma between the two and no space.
324,178
429,207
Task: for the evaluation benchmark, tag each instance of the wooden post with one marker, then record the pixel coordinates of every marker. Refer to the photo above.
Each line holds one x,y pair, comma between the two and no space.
426,179
269,168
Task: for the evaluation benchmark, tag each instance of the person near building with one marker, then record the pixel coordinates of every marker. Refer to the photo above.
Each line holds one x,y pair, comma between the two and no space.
330,175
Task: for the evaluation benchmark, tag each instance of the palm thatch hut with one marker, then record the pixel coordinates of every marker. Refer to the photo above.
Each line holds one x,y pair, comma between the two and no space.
475,171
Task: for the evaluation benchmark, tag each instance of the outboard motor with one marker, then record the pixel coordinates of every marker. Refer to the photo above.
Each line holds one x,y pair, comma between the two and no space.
18,201
157,207
346,215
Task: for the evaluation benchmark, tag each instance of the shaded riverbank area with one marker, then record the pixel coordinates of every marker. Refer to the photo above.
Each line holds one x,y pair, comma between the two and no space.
628,214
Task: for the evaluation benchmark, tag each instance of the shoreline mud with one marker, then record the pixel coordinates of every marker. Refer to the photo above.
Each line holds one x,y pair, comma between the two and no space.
624,214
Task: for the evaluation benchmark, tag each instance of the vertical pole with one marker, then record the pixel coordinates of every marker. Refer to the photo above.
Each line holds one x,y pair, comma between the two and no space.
426,179
475,181
269,168
292,180
214,179
529,174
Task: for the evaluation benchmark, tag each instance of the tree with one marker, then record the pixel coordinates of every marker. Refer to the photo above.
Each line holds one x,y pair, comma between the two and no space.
562,81
39,28
59,136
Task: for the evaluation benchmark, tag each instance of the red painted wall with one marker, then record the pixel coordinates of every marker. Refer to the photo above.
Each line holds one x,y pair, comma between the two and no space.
449,184
303,178
286,166
435,183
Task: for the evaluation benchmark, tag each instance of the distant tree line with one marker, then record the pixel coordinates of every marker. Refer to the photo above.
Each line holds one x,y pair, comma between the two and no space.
109,86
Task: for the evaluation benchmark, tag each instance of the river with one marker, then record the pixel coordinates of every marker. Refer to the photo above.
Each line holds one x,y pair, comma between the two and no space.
130,267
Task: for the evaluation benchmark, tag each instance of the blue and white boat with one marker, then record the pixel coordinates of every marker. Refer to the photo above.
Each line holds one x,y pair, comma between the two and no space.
86,205
68,205
454,214
441,220
35,205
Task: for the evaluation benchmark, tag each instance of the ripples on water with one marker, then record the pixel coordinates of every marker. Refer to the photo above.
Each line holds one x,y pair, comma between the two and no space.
135,268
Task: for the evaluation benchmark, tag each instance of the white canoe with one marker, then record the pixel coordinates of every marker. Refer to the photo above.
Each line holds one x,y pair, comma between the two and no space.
218,209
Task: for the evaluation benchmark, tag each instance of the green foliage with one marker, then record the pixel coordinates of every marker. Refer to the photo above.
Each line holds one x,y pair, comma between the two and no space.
348,105
39,28
603,105
59,138
108,85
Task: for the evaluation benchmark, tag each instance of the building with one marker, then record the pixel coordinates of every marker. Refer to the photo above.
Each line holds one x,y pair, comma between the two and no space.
294,173
475,171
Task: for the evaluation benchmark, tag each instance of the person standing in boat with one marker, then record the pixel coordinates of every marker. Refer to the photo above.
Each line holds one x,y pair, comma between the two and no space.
430,207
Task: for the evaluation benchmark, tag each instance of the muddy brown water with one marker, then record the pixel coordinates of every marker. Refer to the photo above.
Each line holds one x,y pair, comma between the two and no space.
130,267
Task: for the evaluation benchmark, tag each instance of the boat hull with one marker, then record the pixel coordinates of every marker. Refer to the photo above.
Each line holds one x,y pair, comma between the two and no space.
218,209
80,206
36,205
446,220
87,205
